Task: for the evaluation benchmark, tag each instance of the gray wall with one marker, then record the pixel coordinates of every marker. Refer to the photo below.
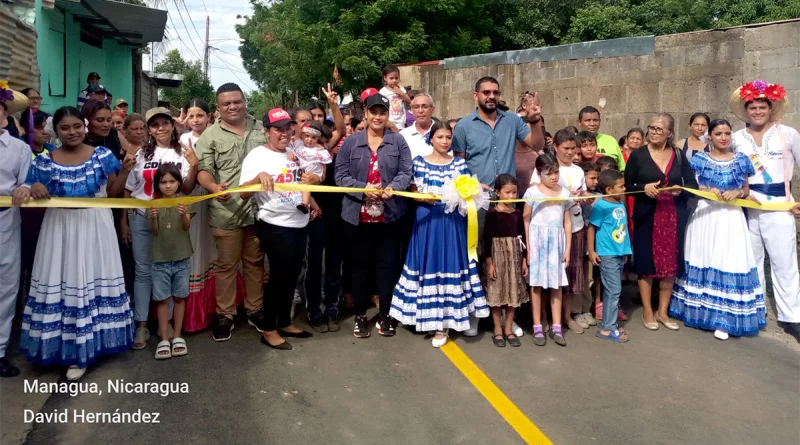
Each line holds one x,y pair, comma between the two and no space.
680,74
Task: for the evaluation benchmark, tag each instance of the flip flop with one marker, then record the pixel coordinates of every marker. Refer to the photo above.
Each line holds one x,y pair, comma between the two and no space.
179,342
163,346
615,336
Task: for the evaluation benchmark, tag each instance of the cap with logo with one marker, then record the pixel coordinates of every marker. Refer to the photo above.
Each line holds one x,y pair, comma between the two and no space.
376,100
95,89
93,74
278,118
367,93
120,101
158,111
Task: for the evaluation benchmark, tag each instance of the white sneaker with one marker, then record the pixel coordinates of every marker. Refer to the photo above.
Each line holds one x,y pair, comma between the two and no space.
720,334
473,327
439,342
75,373
516,329
587,317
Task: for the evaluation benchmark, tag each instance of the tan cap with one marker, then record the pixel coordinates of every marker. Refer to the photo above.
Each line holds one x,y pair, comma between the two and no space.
120,101
153,112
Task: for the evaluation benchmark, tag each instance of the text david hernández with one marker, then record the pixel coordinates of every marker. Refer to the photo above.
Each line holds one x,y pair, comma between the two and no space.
115,386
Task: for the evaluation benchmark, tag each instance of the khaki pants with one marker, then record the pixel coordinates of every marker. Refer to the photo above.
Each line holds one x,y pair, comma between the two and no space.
234,245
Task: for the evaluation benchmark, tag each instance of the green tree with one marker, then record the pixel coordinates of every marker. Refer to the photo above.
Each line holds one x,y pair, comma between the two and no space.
194,84
291,46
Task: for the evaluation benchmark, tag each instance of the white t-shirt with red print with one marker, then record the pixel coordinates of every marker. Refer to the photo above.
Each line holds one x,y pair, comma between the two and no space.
140,180
397,109
276,208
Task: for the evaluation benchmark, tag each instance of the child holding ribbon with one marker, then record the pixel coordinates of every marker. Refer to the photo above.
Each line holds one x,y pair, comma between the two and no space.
171,252
549,240
440,286
505,254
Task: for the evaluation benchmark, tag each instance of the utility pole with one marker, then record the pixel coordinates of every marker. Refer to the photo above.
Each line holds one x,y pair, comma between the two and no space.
207,51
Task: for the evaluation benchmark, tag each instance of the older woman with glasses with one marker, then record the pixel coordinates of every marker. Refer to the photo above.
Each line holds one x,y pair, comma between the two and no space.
651,169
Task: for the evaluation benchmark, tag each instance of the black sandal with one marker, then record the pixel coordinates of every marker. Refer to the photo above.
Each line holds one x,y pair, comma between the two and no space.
499,340
513,340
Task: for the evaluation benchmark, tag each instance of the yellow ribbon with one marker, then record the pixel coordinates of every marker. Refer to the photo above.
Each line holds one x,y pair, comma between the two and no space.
467,187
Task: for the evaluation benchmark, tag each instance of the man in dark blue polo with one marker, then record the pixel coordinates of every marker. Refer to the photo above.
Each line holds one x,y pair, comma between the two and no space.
487,139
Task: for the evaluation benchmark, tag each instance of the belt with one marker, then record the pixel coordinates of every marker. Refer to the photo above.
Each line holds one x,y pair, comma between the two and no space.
775,189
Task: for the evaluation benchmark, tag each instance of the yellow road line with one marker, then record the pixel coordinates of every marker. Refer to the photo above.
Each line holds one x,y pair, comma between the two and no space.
521,424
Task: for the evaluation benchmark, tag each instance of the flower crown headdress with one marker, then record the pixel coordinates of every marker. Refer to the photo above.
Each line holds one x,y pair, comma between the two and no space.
759,89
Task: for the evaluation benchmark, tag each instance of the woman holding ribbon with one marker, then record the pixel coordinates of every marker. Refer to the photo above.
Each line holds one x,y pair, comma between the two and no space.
651,168
378,160
162,146
774,150
438,291
719,289
77,309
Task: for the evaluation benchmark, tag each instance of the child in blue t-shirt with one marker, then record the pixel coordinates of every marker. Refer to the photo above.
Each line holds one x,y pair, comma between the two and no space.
609,247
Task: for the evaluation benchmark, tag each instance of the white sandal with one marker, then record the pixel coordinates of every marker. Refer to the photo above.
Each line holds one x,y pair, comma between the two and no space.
179,342
163,346
142,335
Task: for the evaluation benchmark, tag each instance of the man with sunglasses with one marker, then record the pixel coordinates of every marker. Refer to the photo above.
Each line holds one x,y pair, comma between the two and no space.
487,139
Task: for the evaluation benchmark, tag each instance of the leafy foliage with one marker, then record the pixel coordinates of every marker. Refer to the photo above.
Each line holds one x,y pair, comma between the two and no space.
194,85
291,46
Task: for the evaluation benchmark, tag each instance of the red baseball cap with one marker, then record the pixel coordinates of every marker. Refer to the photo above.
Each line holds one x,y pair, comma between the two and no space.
367,93
278,118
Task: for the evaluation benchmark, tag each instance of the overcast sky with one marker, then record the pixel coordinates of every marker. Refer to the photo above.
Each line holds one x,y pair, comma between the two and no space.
225,64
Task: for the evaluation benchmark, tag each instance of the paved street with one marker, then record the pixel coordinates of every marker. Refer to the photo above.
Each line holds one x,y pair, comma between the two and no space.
661,388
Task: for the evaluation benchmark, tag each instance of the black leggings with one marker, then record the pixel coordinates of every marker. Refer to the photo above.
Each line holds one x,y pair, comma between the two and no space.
375,253
285,248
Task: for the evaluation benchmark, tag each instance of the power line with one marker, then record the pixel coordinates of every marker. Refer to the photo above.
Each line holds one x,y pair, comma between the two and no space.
225,52
179,36
197,52
204,7
182,2
231,69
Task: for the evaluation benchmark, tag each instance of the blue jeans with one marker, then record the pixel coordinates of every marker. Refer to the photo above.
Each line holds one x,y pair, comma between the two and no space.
143,282
171,279
611,276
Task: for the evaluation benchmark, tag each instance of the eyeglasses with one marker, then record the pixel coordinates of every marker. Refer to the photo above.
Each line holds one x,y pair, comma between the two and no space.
420,107
491,92
655,130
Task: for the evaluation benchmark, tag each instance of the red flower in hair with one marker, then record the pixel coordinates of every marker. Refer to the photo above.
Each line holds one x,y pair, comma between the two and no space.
775,92
748,92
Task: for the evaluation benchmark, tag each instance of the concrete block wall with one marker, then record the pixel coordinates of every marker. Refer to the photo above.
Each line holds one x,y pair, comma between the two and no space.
686,73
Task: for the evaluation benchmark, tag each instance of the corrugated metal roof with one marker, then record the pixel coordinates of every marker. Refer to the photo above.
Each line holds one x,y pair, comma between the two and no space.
9,22
129,24
24,71
18,62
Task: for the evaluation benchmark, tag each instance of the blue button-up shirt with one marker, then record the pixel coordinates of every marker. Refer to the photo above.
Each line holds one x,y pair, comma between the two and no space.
352,168
490,151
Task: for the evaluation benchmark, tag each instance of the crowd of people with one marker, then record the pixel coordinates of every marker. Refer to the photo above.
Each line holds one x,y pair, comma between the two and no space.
89,275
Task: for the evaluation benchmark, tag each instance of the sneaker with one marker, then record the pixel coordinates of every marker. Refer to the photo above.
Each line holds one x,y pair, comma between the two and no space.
587,317
573,326
473,327
320,326
257,320
581,321
360,327
333,325
516,329
222,328
75,373
387,327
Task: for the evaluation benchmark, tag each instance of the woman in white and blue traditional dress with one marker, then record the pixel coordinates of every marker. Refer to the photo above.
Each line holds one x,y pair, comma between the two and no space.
440,287
719,289
77,309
